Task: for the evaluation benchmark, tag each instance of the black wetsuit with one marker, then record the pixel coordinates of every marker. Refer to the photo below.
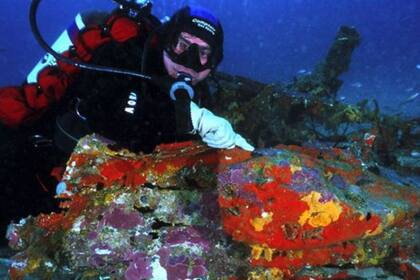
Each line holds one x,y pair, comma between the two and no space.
24,170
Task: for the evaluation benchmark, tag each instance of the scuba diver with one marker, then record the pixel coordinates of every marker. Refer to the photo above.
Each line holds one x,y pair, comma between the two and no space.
136,112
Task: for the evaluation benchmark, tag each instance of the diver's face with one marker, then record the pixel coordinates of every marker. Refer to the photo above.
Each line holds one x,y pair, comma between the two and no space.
185,40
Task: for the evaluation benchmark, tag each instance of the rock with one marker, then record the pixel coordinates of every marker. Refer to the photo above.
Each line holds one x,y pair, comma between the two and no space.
309,207
409,162
190,212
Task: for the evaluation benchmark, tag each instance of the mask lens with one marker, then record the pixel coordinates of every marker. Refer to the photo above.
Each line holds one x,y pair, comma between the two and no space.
183,45
204,53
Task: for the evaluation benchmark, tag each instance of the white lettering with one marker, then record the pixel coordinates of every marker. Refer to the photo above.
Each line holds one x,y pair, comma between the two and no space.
129,110
131,103
132,96
204,25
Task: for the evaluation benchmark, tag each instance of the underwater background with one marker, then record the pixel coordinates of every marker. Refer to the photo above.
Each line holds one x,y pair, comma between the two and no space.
266,40
271,41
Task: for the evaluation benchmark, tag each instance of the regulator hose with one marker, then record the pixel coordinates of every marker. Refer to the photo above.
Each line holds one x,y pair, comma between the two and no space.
82,65
134,5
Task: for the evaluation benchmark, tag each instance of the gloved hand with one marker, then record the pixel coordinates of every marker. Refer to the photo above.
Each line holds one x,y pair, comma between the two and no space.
215,131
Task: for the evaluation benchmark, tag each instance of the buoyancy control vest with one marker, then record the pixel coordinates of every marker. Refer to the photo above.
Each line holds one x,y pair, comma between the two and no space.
109,104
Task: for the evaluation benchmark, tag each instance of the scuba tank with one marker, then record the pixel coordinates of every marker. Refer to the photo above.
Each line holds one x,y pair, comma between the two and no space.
62,44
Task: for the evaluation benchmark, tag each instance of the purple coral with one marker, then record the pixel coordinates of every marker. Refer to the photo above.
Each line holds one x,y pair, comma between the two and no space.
326,196
118,218
186,266
234,176
178,257
306,180
139,267
92,235
99,254
190,235
199,269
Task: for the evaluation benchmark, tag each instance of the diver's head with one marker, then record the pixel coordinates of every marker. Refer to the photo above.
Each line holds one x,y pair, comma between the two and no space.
193,43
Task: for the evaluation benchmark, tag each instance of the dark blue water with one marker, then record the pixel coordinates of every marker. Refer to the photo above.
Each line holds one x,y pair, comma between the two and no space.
267,40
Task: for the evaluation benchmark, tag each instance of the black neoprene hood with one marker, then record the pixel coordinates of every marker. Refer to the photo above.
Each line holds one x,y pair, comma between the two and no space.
201,23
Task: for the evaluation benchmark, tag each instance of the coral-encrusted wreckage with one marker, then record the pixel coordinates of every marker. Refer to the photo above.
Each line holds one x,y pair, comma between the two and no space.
324,207
188,211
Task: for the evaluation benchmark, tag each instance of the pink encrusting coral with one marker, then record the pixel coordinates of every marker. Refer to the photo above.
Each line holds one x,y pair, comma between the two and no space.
139,267
122,219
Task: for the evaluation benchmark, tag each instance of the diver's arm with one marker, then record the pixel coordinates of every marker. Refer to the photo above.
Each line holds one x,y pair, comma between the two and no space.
216,131
23,104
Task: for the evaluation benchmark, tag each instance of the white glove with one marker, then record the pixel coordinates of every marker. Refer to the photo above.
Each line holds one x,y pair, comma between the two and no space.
215,131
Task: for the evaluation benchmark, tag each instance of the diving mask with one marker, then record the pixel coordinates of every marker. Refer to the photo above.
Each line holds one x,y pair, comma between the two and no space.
190,55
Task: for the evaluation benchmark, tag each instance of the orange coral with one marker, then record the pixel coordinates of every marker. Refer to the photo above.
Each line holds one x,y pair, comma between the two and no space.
281,174
51,223
77,204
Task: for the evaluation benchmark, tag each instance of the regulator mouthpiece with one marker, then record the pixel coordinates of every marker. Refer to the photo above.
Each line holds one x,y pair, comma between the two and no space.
182,84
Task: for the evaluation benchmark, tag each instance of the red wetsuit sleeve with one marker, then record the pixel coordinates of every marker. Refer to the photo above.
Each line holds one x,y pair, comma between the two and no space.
19,105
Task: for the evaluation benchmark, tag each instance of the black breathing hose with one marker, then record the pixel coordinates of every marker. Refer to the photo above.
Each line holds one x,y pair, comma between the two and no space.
132,5
83,65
